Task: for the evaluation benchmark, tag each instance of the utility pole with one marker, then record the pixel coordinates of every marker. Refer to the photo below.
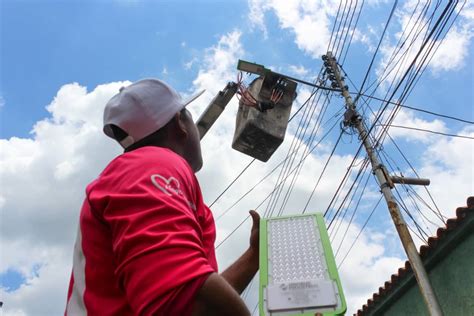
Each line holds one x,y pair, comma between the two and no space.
353,119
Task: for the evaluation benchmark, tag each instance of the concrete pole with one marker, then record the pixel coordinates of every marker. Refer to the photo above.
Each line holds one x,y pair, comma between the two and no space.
353,118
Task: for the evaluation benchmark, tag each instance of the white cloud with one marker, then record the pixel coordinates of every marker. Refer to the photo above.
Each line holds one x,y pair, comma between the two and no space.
189,64
367,267
302,17
257,15
45,178
2,101
377,2
298,70
364,38
218,68
449,53
45,291
223,164
408,118
447,162
370,263
46,175
452,53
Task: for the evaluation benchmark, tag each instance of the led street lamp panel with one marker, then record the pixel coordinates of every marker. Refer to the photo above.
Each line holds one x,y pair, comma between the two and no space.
298,274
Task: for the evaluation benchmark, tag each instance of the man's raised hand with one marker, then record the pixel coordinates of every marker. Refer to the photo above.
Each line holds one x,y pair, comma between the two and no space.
255,232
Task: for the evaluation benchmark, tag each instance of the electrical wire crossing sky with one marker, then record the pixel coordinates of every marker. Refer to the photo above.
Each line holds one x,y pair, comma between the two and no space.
407,66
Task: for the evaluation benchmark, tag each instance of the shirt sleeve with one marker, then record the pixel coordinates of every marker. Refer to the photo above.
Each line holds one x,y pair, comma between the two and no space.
179,301
156,239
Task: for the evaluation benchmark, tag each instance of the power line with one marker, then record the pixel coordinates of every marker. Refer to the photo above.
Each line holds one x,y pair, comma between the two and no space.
438,212
381,174
248,288
337,218
273,170
322,172
338,28
360,91
403,206
414,69
345,204
292,153
407,74
266,198
344,179
233,181
334,26
420,68
298,165
353,30
313,134
406,188
354,183
416,109
344,30
251,189
253,160
352,216
233,231
360,232
376,50
254,309
428,131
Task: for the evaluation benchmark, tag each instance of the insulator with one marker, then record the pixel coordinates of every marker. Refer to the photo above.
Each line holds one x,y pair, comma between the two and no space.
327,64
346,87
334,85
332,77
324,57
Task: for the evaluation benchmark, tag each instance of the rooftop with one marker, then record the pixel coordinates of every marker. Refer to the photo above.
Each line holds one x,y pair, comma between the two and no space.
453,225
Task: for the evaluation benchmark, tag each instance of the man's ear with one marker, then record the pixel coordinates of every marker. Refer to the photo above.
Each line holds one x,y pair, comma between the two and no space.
180,123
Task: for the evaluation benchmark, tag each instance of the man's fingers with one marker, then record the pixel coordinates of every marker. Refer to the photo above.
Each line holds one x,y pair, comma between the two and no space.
255,217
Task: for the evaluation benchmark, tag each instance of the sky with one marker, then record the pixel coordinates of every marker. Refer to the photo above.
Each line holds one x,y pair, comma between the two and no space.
62,60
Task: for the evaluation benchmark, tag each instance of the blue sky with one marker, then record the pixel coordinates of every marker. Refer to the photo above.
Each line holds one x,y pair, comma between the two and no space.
62,60
88,42
92,42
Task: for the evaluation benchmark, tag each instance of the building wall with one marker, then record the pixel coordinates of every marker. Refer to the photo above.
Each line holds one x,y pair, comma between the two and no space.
453,282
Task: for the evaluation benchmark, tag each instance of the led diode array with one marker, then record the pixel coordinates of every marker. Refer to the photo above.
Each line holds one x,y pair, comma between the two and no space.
298,274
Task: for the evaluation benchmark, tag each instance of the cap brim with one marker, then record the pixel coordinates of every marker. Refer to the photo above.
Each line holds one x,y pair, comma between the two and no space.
194,97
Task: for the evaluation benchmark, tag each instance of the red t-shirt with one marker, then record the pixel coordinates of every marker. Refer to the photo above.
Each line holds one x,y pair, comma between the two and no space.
145,242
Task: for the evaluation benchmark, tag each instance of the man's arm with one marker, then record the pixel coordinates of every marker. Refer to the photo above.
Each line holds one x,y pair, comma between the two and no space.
219,294
217,297
241,272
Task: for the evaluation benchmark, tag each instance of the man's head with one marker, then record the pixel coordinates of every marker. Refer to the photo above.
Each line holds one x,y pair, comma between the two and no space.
151,113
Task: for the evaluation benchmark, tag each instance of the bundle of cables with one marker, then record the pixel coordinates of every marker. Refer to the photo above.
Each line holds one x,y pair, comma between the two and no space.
246,97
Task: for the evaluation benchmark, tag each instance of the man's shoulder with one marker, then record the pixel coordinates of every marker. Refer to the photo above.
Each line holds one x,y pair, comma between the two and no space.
144,162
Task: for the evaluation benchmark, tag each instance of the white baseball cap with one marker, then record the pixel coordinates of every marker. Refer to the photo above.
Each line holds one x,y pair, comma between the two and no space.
141,109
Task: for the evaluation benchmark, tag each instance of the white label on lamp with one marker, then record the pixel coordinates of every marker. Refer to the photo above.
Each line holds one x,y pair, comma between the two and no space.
301,295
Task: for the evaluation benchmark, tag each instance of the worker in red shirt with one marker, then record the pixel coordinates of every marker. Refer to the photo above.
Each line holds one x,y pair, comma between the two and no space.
145,243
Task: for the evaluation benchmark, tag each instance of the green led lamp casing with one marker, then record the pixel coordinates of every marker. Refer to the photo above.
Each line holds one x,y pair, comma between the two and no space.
298,273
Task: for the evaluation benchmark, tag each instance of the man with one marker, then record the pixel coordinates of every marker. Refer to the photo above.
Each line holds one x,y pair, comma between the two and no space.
145,243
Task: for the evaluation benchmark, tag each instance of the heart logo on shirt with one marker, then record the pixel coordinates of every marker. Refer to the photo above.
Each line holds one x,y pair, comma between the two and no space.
168,186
